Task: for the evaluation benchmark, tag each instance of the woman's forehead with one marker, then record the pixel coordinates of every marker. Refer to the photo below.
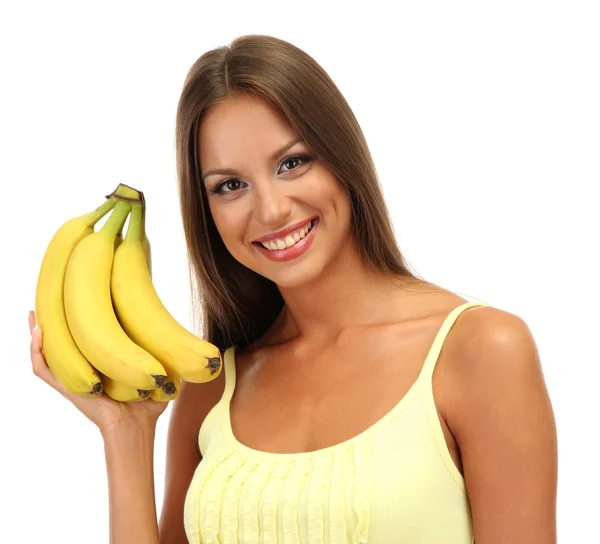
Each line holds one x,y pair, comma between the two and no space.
242,125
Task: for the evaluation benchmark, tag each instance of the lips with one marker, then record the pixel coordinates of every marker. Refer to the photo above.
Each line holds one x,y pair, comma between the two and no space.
290,253
284,232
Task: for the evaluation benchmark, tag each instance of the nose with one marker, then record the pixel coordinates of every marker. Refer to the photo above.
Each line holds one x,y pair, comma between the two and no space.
272,205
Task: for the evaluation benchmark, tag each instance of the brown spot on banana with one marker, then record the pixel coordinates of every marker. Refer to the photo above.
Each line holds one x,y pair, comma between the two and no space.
160,380
97,389
169,388
214,363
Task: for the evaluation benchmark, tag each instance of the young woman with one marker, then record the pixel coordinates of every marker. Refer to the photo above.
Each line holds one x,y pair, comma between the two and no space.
328,423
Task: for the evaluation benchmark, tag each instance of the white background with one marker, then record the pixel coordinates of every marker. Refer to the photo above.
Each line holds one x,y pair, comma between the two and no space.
484,122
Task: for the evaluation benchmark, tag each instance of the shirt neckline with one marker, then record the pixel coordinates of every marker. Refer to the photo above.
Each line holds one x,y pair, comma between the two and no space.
402,404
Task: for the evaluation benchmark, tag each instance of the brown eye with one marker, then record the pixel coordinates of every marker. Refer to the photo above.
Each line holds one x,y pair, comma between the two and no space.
227,182
302,159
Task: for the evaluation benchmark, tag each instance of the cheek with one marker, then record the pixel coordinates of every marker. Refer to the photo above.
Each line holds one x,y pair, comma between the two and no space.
227,229
231,228
341,205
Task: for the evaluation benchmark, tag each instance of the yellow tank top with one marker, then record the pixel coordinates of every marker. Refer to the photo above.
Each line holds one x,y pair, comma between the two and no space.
394,483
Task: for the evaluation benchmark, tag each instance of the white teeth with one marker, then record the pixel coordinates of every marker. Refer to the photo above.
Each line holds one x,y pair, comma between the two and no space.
290,240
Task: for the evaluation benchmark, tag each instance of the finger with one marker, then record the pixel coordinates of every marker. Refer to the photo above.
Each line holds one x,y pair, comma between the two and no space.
32,322
35,348
38,361
40,366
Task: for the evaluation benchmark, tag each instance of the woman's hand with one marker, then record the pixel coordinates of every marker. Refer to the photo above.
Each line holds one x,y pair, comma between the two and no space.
104,412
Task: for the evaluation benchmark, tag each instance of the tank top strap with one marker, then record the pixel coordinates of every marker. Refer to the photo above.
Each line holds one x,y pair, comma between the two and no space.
436,347
229,369
216,417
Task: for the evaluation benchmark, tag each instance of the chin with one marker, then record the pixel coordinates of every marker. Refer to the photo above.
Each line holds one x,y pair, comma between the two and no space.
290,277
294,281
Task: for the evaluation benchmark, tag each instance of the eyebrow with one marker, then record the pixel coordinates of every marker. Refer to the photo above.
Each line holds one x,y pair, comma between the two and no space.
273,156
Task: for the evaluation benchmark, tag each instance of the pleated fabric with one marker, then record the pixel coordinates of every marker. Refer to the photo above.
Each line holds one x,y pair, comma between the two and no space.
394,483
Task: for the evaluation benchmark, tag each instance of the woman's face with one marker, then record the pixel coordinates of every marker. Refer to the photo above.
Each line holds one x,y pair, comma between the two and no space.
264,185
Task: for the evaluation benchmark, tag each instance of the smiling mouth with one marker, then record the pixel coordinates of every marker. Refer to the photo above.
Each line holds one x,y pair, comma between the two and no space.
290,240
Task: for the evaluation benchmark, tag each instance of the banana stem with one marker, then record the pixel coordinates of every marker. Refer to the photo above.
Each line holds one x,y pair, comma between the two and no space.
126,193
101,211
117,218
143,227
120,231
134,230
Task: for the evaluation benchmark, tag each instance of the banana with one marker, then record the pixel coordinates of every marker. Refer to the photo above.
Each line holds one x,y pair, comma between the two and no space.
114,389
146,320
90,314
123,393
69,366
169,391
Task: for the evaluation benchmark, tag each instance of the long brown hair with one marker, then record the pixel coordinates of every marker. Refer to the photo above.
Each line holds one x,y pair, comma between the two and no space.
238,304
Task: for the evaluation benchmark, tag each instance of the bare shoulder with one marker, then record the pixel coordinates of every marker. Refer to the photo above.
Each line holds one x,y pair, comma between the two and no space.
494,345
495,363
501,416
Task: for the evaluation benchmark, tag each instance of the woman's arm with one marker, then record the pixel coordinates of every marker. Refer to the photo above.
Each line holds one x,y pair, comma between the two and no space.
129,451
128,432
502,418
188,412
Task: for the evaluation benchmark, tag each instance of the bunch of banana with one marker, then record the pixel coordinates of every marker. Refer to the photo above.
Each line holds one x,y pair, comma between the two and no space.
105,327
